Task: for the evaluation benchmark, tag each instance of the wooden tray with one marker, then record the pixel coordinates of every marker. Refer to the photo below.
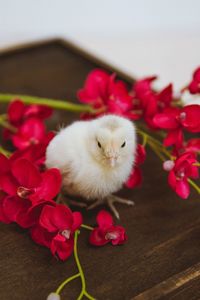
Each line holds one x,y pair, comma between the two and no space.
161,260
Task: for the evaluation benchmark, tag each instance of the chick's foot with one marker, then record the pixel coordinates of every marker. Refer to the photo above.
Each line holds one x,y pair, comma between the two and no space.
112,199
95,204
61,199
76,203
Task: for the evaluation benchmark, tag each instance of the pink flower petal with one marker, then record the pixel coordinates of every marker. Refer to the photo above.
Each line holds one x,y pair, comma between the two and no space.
33,128
56,218
119,235
20,141
141,87
78,220
32,131
26,173
140,154
193,145
95,89
172,180
135,179
41,236
182,188
194,172
174,137
97,238
3,217
16,111
165,96
49,186
165,121
40,111
4,164
191,122
13,206
194,86
8,184
30,215
62,247
104,219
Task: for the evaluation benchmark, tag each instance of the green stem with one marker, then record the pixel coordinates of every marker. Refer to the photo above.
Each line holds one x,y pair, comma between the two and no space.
62,285
87,227
145,138
157,144
54,103
88,296
80,273
195,186
192,183
5,152
159,149
156,150
83,291
197,164
4,123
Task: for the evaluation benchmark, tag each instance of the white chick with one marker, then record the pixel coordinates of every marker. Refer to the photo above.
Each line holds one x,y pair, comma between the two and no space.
95,158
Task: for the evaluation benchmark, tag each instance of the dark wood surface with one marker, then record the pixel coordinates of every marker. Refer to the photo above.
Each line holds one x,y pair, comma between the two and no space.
161,259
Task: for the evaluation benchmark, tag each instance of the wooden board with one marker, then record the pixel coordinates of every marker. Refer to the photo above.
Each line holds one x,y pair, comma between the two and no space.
161,259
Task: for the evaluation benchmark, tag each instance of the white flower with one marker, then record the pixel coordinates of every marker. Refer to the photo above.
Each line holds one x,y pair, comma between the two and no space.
53,296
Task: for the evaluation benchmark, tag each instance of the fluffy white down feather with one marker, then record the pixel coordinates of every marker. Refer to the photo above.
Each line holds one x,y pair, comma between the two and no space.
95,157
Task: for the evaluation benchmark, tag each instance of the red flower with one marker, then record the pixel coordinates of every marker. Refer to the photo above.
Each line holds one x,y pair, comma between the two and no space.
28,121
175,119
135,178
56,229
120,102
31,132
194,86
35,153
150,102
25,188
95,91
179,172
104,92
106,232
165,97
142,88
18,112
145,98
193,145
3,217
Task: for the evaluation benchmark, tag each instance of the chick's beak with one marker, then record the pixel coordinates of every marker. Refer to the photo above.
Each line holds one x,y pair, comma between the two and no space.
112,161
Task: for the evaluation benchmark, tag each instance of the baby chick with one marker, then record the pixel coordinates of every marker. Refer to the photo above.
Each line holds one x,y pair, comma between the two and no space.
95,158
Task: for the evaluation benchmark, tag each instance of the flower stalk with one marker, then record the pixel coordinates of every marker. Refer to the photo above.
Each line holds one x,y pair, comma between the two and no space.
4,151
161,152
80,269
87,227
4,123
53,103
83,291
64,283
154,143
194,185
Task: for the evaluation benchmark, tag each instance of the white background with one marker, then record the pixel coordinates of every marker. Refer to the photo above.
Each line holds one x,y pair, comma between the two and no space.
141,37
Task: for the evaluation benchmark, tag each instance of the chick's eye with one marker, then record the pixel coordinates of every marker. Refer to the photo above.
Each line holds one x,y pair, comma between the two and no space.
123,145
99,145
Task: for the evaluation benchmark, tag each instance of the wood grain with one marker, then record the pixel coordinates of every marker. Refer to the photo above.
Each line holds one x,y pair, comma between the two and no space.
161,258
171,284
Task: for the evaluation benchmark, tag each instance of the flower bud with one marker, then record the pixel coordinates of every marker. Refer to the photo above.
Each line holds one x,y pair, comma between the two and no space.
53,296
168,165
